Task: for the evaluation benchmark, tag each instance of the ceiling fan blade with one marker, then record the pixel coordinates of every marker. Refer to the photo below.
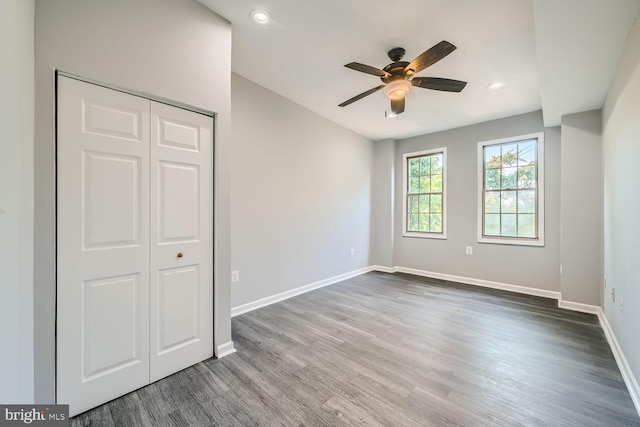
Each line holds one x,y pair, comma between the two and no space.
437,83
430,57
362,95
367,69
397,105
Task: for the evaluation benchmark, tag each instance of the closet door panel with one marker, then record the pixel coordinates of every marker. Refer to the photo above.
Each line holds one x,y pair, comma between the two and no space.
181,239
102,244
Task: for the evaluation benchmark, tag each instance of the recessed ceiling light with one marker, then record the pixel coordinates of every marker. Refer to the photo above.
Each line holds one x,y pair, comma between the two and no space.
496,85
261,16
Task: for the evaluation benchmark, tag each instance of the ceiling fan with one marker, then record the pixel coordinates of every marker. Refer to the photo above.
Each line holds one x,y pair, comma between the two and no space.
398,77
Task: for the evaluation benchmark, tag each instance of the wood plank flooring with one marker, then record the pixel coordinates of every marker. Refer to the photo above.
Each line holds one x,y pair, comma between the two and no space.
394,350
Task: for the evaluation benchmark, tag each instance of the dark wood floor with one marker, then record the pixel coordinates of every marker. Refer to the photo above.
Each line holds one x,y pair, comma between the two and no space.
395,350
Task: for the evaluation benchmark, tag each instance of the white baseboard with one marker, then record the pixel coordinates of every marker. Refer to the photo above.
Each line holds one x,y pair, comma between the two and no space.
241,309
577,306
481,282
568,305
384,269
627,375
225,350
263,302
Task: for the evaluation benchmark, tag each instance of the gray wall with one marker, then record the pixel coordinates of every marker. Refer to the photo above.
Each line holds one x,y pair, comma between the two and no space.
301,195
16,196
382,203
176,49
536,267
621,149
581,213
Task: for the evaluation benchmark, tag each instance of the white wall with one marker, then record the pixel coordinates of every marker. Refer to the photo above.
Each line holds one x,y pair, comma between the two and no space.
175,49
581,212
621,150
536,267
382,203
16,196
301,189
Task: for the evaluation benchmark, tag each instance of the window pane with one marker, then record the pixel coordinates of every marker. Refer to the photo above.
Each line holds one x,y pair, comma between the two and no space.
425,192
510,192
414,185
424,204
509,178
508,201
527,177
425,184
492,179
508,227
424,222
492,202
492,224
509,155
436,223
413,203
436,164
526,225
413,222
492,156
436,204
527,153
527,201
425,165
436,183
414,167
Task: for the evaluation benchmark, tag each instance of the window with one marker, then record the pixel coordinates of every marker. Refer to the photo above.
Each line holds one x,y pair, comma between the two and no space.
511,190
424,188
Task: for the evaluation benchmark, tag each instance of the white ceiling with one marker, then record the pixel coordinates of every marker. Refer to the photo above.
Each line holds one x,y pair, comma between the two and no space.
558,55
579,44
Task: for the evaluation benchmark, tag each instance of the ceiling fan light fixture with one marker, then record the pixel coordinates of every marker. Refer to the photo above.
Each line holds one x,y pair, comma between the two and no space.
397,89
261,16
398,77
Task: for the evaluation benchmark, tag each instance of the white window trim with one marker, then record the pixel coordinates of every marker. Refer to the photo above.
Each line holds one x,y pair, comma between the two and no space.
445,190
540,176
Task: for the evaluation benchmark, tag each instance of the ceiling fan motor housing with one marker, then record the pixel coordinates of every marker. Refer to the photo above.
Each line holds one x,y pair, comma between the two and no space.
396,71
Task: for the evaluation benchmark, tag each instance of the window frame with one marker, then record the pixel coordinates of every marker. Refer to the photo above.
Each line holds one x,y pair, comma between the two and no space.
540,196
405,194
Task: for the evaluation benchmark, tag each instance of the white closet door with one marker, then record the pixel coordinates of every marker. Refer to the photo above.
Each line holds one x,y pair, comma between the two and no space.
102,244
181,274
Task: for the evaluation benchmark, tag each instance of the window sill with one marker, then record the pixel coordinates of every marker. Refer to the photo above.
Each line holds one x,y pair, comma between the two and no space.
425,235
508,241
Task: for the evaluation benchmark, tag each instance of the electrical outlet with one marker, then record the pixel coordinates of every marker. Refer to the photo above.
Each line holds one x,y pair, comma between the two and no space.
613,294
235,276
605,283
561,269
469,250
622,305
353,251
